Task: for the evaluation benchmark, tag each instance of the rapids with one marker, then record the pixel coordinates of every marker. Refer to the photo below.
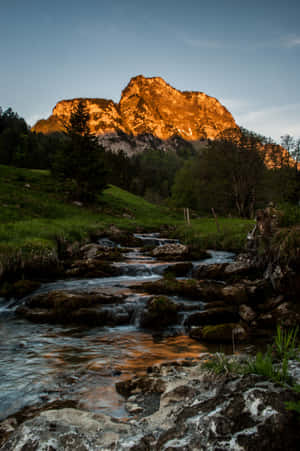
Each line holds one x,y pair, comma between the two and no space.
45,362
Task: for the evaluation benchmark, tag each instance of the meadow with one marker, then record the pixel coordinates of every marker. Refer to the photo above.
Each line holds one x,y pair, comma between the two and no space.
35,212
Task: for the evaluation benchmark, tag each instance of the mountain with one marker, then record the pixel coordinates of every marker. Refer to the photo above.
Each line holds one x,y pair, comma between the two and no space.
150,112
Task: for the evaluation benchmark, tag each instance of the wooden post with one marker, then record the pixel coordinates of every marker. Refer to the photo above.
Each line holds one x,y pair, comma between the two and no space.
216,219
188,216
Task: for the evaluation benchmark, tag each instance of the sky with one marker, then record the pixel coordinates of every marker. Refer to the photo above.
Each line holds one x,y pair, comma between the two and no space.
244,53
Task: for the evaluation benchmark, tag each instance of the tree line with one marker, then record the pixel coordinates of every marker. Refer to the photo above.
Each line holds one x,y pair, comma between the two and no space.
234,174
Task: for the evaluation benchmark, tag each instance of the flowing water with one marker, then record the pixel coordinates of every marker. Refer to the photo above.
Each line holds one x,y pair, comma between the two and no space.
43,362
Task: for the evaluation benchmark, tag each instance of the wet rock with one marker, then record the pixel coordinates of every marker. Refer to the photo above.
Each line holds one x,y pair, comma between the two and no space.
159,312
8,426
258,291
212,272
100,252
145,384
19,289
191,409
234,294
190,288
179,269
287,314
67,429
227,271
221,333
247,313
270,304
173,251
68,307
122,237
177,251
213,316
202,290
91,268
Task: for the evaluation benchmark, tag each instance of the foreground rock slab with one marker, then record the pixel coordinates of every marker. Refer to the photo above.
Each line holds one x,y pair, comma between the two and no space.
193,410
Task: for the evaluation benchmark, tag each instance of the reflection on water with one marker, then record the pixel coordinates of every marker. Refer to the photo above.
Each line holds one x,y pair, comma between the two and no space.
42,362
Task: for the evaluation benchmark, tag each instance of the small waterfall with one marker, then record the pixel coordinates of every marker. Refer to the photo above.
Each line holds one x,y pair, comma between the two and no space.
153,239
7,306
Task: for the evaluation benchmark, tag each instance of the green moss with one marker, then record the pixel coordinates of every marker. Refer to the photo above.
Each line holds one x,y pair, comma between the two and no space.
219,333
162,304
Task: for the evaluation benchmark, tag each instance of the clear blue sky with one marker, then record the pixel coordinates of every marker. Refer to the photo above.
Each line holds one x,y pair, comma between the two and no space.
247,54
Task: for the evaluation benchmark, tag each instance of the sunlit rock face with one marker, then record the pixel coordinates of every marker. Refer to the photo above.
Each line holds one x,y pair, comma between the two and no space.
148,106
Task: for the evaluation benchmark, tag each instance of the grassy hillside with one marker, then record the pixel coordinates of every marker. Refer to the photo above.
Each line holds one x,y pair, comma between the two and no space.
34,213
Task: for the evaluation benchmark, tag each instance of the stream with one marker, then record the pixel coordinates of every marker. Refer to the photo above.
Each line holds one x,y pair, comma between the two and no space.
45,362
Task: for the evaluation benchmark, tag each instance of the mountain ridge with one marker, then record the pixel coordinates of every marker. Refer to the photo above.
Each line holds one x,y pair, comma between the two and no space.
148,105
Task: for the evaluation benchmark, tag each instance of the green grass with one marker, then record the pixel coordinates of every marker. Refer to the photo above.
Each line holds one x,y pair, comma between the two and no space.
272,364
204,233
34,212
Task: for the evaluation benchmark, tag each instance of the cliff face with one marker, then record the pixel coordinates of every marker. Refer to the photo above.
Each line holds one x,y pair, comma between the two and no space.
149,106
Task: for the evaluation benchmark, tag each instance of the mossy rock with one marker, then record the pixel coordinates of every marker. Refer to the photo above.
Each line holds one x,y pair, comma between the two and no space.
19,289
178,270
195,253
220,333
160,312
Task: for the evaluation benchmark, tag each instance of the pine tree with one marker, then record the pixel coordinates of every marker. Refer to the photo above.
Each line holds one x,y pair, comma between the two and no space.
80,160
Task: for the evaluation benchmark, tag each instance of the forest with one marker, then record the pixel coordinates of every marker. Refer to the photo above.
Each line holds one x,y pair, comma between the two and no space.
235,174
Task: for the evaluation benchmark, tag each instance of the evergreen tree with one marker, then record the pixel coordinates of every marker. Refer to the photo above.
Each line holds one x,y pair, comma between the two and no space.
79,162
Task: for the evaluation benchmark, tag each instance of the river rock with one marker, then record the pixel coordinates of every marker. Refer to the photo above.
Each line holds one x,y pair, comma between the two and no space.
212,316
287,314
91,268
100,252
68,430
176,251
247,313
178,269
197,410
173,251
213,272
94,307
19,289
202,290
220,333
159,312
227,271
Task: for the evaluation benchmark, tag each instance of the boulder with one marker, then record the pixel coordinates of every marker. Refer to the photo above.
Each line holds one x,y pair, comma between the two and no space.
202,290
19,289
212,272
179,269
287,314
91,268
159,313
173,251
234,294
97,251
212,316
221,333
68,430
247,313
176,251
227,271
66,307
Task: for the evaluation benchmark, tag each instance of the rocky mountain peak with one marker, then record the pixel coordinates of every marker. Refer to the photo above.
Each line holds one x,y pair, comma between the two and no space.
149,105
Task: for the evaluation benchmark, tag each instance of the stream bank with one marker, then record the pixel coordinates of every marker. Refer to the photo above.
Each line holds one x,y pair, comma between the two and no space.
73,339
